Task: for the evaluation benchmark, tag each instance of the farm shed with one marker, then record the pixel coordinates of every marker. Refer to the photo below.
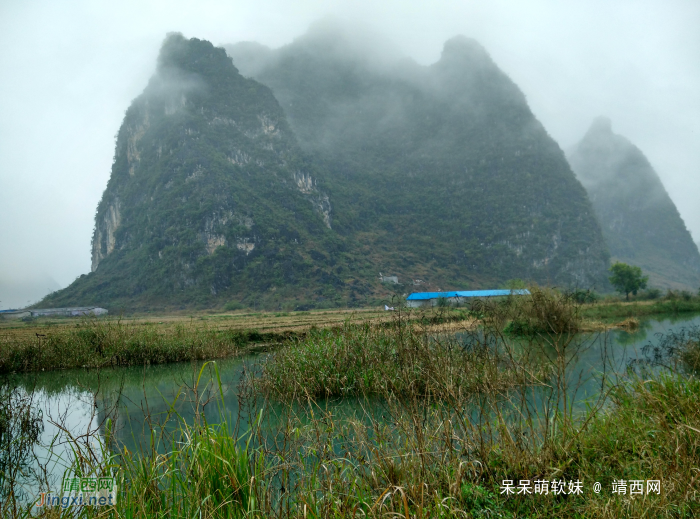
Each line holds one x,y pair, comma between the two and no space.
418,299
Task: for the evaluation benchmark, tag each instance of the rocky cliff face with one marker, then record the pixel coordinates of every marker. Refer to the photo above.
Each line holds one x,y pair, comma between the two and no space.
639,220
210,196
104,237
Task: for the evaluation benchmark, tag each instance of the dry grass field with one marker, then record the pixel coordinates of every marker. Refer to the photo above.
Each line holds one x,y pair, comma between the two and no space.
263,322
93,342
596,316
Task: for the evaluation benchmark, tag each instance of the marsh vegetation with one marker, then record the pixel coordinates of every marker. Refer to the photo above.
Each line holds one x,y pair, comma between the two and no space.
438,421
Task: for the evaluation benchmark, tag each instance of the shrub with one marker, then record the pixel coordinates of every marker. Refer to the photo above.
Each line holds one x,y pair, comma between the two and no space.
652,293
233,305
581,296
544,311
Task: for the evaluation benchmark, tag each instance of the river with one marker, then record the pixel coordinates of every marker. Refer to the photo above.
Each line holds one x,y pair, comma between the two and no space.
137,399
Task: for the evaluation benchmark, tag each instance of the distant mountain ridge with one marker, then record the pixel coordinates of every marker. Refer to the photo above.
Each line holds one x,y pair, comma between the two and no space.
639,220
299,187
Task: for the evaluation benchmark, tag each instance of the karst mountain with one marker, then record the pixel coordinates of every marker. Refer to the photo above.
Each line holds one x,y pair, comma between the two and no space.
639,220
295,182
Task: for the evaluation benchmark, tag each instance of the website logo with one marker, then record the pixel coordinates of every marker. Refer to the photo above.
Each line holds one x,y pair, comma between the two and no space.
78,491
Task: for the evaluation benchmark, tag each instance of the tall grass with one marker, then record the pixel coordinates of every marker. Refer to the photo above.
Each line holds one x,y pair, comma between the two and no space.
204,472
94,343
424,465
21,426
421,446
399,358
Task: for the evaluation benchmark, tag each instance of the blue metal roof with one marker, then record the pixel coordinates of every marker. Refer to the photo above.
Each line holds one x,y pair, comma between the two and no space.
420,296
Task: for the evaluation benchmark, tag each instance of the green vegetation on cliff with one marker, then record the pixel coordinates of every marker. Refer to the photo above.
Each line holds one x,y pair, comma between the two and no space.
210,198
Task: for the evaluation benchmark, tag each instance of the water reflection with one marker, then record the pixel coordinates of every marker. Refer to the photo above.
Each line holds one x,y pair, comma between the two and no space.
625,337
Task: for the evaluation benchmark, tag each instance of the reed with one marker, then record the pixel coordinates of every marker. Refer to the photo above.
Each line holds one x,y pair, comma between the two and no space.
439,425
423,463
95,343
398,358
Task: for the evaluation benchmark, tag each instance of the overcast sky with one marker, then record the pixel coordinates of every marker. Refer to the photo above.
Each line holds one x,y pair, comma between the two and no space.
69,70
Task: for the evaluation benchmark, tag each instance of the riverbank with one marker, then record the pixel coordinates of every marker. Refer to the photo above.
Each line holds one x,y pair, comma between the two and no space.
621,310
108,342
50,344
411,450
651,454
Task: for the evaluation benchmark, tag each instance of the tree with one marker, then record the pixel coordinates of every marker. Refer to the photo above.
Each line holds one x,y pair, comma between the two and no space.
627,278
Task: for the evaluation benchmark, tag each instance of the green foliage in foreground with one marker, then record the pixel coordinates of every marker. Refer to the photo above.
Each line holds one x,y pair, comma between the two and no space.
420,456
21,425
207,470
445,467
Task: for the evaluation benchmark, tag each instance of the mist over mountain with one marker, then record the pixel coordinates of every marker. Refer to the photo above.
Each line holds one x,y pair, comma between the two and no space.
337,163
442,172
639,220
